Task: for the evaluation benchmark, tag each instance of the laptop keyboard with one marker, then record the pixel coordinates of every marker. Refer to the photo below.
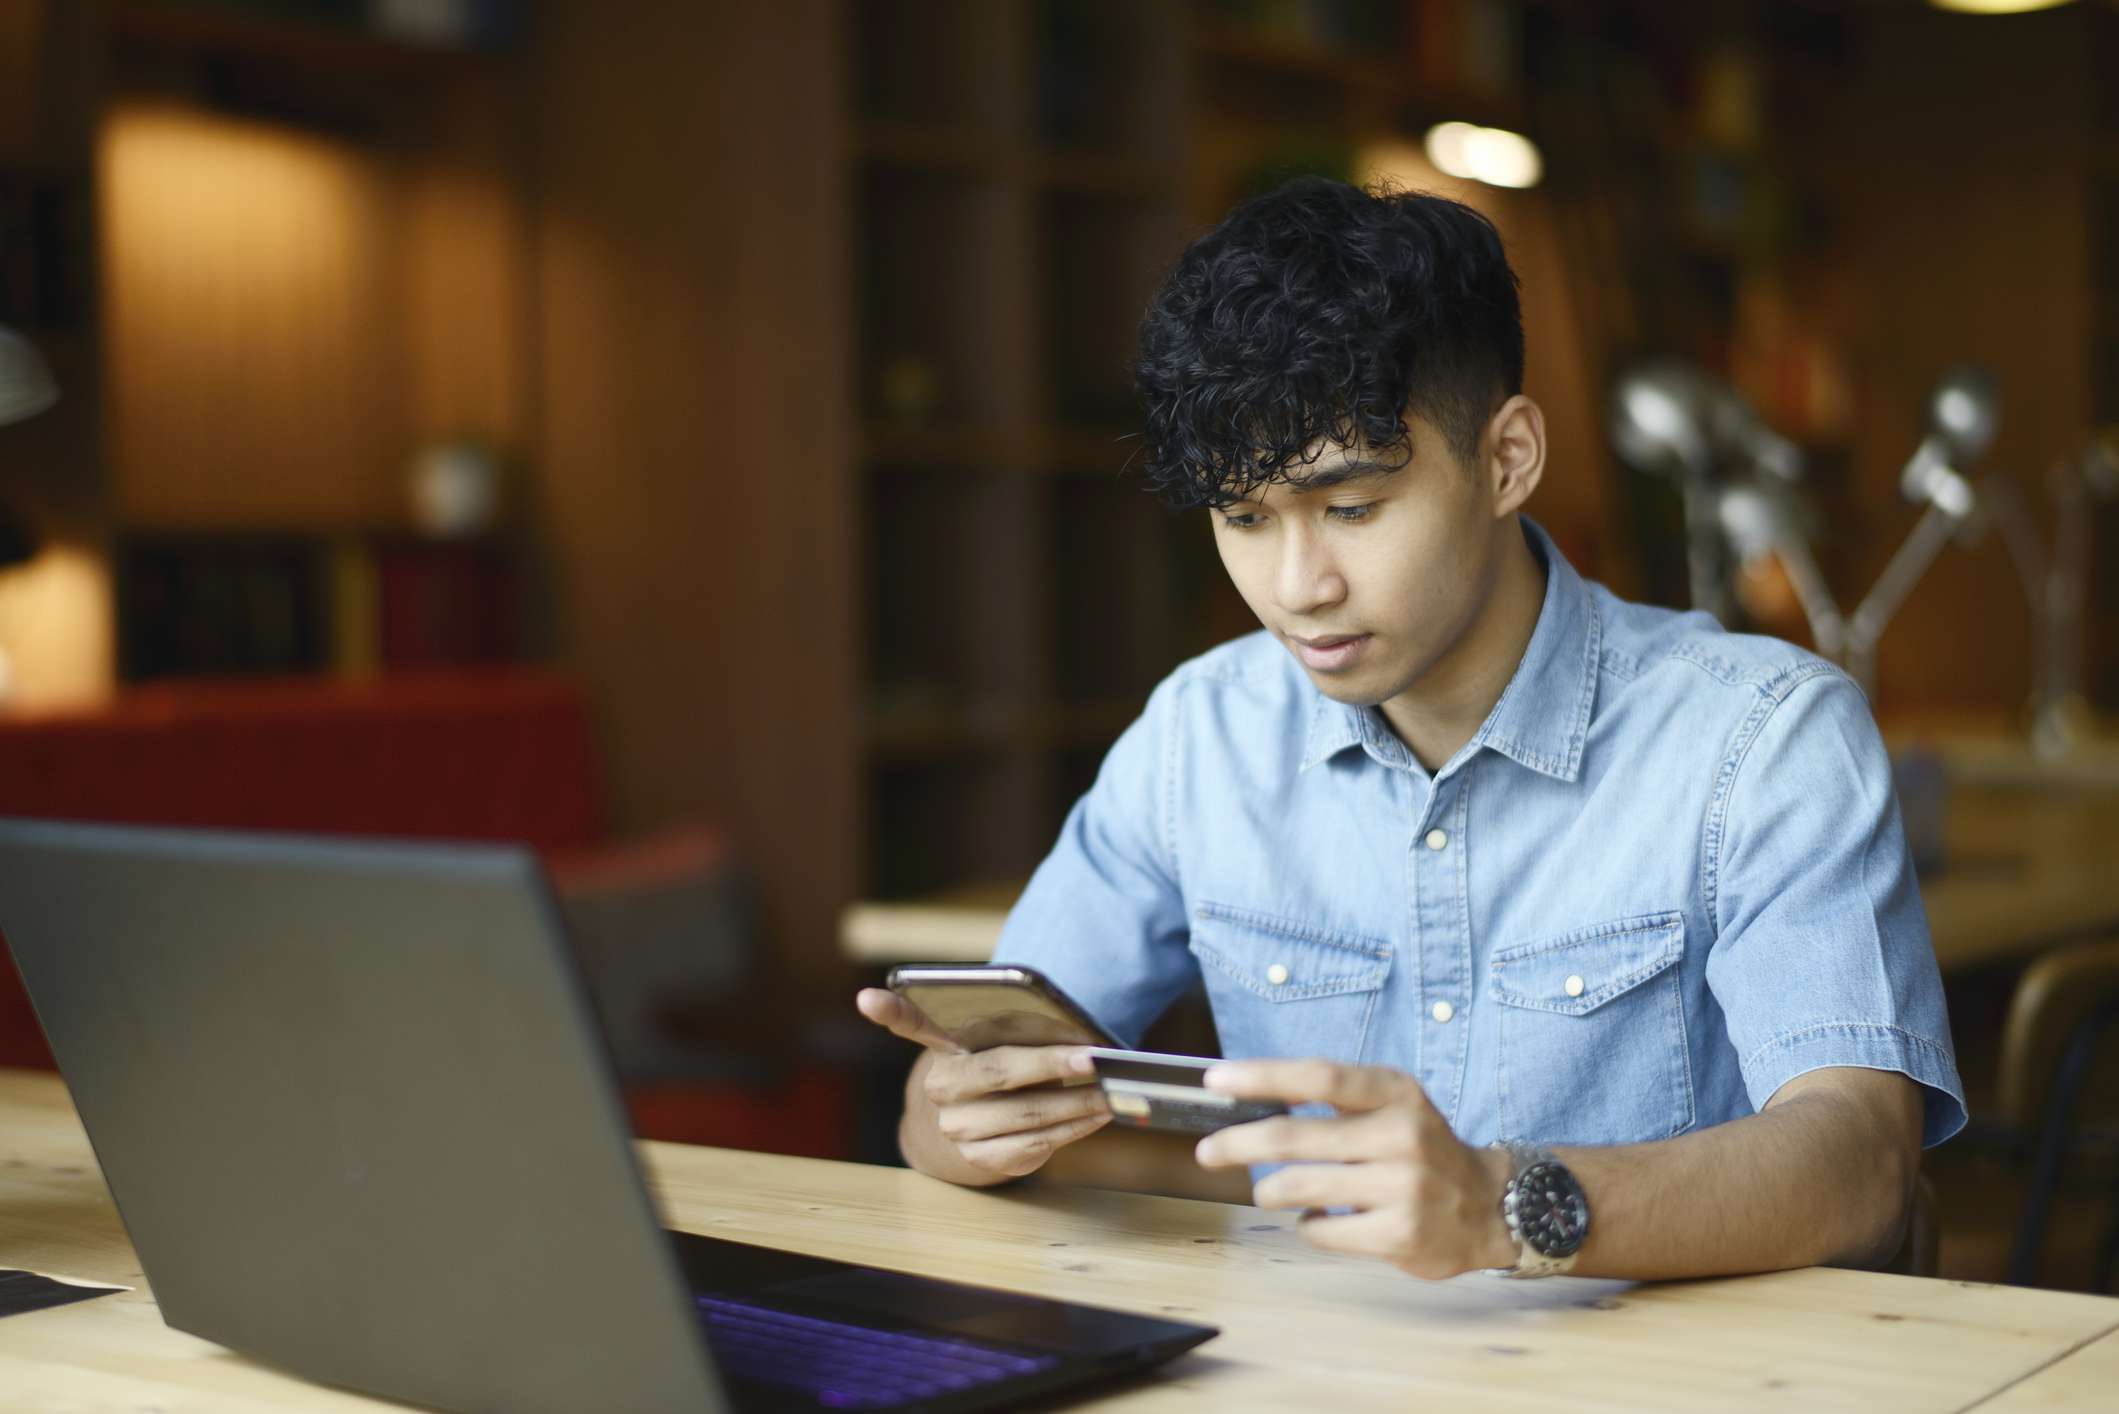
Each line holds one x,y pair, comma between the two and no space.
845,1366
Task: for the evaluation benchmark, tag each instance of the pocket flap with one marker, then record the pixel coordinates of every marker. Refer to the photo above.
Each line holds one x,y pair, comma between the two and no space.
1580,971
1285,961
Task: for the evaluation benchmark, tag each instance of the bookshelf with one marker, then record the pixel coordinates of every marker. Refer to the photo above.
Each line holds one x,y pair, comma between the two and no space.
236,603
1024,171
52,86
1014,167
313,239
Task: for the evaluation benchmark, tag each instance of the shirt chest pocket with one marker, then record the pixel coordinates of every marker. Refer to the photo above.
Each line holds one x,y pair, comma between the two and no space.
1283,988
1592,1034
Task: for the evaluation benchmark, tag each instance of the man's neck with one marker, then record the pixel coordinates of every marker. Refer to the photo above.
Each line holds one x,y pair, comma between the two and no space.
1436,716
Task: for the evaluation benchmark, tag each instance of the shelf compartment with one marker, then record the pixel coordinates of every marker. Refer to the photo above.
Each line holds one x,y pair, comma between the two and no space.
1069,774
1059,451
1102,258
935,280
954,570
938,148
937,825
1104,76
935,62
1118,588
907,730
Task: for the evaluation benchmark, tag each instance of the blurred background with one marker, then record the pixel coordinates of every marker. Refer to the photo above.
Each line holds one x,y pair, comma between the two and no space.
689,437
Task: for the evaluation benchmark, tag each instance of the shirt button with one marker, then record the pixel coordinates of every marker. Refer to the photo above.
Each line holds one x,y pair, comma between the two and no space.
1277,974
1574,986
1443,1011
1436,839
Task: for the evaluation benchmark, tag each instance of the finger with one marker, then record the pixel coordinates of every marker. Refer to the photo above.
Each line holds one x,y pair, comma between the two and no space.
952,1080
1344,1087
1381,1233
1018,1113
1350,1138
901,1018
1018,1154
1318,1186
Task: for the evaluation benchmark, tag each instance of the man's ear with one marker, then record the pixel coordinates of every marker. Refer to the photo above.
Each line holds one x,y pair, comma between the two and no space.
1515,458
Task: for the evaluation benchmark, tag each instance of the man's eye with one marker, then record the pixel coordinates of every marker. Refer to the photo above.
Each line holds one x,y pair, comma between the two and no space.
1351,513
1240,520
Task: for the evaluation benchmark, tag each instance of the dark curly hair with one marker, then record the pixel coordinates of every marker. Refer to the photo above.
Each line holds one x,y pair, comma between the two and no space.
1321,311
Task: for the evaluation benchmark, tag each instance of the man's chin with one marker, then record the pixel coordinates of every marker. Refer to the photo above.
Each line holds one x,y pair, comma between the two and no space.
1349,689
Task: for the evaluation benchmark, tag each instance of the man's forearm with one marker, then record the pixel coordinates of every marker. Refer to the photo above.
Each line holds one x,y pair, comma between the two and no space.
1822,1176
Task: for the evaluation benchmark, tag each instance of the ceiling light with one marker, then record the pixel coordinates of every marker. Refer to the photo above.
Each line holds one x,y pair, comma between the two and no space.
1996,7
1495,156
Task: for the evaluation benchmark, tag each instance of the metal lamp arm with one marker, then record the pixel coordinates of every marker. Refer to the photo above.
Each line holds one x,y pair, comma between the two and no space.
1866,625
1827,629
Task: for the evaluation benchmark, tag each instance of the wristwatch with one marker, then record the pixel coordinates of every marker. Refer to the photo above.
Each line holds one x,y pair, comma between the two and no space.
1546,1212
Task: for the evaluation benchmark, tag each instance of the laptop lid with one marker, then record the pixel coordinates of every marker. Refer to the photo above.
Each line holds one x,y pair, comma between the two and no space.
258,1030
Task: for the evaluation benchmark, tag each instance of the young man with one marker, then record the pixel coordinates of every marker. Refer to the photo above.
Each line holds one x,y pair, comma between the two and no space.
1558,913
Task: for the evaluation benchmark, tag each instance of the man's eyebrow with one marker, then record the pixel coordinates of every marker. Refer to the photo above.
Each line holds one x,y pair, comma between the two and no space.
1353,470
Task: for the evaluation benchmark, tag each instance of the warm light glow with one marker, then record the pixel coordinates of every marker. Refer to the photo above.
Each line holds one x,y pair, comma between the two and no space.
1495,156
253,337
55,630
1996,7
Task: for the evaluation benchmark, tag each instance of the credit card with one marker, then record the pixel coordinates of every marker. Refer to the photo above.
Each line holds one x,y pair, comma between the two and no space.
1149,1090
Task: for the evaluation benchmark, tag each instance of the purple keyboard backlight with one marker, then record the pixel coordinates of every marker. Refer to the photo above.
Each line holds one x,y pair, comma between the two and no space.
847,1366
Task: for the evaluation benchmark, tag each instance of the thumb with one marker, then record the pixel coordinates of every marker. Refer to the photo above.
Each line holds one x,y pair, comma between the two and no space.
901,1018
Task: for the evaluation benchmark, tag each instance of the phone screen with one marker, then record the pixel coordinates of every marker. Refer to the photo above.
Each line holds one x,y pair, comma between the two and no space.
980,1014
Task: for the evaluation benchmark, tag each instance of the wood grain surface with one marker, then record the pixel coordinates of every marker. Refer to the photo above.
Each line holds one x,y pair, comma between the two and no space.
1300,1329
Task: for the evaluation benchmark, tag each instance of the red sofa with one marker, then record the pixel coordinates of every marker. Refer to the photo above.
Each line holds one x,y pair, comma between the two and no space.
482,754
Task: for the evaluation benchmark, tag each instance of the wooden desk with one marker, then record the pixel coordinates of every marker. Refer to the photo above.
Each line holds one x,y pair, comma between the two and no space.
1301,1329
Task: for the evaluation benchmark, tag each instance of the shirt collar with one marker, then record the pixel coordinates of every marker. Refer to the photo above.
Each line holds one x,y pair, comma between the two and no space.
1542,718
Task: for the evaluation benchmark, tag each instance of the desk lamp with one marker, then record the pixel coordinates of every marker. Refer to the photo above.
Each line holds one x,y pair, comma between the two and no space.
1964,412
1673,419
26,386
2056,584
1762,521
1739,480
26,389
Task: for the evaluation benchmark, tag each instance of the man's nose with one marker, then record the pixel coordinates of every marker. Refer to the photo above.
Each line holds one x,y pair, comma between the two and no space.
1309,579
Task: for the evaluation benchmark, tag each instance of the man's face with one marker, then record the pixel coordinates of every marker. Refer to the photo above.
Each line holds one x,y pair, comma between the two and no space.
1368,575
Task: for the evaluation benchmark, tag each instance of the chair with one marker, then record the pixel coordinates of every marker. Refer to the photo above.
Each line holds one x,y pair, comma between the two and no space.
665,924
2062,1032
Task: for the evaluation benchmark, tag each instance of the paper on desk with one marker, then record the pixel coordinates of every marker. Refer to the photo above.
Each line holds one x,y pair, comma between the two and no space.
34,1291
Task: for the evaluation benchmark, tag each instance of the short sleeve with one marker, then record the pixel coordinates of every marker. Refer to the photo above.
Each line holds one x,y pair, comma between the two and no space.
1822,955
1104,916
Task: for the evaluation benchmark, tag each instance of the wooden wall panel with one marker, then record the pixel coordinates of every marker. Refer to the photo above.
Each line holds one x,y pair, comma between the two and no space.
249,283
1956,195
694,408
22,58
290,315
466,245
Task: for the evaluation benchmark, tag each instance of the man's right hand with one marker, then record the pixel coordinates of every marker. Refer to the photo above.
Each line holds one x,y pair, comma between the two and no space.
984,1117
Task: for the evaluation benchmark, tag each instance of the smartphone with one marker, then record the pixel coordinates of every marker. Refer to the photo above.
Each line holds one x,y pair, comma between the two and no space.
997,1005
1149,1090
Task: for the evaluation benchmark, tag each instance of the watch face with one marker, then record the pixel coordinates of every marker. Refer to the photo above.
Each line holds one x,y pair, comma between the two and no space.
1550,1210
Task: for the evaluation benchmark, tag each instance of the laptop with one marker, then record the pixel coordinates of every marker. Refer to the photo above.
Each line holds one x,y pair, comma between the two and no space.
357,1119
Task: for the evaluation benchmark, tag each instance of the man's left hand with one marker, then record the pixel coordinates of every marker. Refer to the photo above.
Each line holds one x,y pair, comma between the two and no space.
1413,1193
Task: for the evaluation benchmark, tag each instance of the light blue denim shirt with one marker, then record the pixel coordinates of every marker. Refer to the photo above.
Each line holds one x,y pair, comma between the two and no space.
1665,877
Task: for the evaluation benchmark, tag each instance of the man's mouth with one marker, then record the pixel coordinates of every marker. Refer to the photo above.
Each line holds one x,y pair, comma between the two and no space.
1328,652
